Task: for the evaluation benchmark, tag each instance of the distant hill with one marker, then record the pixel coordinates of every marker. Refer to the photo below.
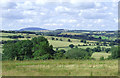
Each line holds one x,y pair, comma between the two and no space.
32,29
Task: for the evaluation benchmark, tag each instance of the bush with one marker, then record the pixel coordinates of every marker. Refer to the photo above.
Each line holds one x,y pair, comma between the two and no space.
107,50
53,38
109,58
102,58
56,38
77,53
84,41
59,54
28,37
69,40
97,49
115,52
71,45
61,40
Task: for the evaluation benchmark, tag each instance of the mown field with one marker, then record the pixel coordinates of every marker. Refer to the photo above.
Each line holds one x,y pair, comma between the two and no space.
60,68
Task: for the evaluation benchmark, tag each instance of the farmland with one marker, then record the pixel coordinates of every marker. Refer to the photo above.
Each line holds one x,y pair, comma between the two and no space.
64,67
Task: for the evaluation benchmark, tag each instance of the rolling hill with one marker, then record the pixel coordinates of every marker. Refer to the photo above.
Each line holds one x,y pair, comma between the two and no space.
32,29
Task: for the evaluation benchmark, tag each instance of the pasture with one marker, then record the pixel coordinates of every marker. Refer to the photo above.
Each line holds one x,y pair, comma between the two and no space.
97,55
60,68
63,67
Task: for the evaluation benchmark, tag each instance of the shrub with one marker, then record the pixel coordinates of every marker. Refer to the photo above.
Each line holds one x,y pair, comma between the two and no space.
69,40
97,49
71,45
76,46
61,40
109,58
56,38
53,38
115,52
59,54
77,53
102,58
107,50
28,37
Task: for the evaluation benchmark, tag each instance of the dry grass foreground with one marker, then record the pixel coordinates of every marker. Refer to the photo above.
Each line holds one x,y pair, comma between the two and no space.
60,68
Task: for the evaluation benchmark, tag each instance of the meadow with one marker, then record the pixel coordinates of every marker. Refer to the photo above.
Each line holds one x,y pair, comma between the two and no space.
60,68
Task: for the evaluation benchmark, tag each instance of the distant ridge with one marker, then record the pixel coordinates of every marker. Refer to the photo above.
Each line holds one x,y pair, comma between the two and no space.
32,29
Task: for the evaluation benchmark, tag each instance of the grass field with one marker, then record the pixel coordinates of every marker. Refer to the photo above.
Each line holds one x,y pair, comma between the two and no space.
97,55
62,43
60,68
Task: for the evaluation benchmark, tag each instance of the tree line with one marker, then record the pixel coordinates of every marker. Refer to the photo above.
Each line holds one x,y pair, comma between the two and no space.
39,48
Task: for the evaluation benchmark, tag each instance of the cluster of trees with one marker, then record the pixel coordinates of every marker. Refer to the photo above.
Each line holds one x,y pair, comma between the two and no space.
78,53
56,39
115,52
111,43
96,49
39,48
15,36
9,41
26,32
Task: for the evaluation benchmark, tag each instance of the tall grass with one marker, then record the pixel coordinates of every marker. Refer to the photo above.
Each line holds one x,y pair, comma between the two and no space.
60,68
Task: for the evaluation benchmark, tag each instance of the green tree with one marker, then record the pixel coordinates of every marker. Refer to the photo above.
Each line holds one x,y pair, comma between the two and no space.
77,53
42,49
9,52
115,52
59,54
71,45
107,50
56,38
37,48
61,40
53,38
18,51
69,40
102,58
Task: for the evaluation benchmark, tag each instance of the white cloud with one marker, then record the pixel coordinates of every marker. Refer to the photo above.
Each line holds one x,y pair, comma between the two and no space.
41,2
66,20
53,24
27,12
72,21
102,25
25,21
62,9
74,15
42,13
116,20
98,21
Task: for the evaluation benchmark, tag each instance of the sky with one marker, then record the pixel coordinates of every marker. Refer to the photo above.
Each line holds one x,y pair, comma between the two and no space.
72,15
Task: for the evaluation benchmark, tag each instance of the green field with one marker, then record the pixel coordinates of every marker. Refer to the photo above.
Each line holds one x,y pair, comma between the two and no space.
62,43
97,55
60,68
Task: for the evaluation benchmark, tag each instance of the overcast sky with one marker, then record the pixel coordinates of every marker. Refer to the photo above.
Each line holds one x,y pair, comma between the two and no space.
63,15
